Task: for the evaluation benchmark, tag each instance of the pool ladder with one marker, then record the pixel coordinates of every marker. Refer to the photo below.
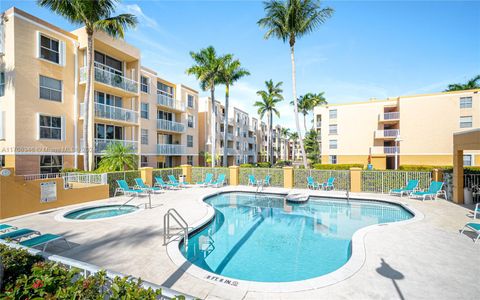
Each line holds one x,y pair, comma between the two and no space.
172,213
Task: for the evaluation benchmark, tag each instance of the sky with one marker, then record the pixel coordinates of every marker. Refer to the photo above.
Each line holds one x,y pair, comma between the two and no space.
367,49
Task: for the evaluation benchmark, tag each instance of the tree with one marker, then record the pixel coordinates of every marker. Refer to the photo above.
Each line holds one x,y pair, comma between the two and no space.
285,132
95,16
231,71
289,20
473,83
118,158
311,146
294,138
207,69
270,97
307,103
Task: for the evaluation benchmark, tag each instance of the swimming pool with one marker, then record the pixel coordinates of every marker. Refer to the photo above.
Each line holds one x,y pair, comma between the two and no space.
265,239
100,212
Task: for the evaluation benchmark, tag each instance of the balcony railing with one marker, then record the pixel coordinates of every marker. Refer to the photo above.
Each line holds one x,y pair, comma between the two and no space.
106,75
387,133
112,112
230,151
389,150
167,101
102,144
170,126
229,136
171,149
251,140
390,116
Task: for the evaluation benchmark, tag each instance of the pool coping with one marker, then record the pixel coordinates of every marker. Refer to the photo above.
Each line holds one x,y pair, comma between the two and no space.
350,268
60,216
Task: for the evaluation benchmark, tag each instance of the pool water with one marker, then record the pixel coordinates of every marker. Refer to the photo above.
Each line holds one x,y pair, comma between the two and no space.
267,239
99,212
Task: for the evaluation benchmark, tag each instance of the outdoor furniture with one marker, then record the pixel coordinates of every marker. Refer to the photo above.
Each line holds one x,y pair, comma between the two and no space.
433,191
174,181
266,182
18,234
125,189
409,188
208,180
328,185
43,239
475,227
311,184
141,185
6,227
220,181
161,183
476,210
251,180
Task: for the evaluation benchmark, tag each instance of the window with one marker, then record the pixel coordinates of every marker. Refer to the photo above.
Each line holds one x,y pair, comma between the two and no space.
466,102
108,63
50,127
467,160
164,89
332,129
49,49
238,145
108,99
332,113
190,141
332,159
466,122
145,84
144,108
190,121
2,84
144,137
144,161
190,160
51,164
108,132
190,101
2,160
333,144
50,89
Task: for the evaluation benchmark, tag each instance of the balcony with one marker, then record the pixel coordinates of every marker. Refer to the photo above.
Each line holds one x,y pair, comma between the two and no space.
251,140
108,76
102,144
387,134
230,151
166,125
388,150
229,136
389,117
112,113
168,102
171,149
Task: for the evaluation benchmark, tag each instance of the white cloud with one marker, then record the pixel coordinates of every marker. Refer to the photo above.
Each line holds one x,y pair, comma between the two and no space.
137,11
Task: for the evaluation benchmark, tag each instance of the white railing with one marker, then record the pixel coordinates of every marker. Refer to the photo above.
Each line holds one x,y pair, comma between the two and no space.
391,116
170,126
107,75
384,181
390,133
251,139
102,144
384,150
167,101
41,176
171,149
85,178
230,151
112,112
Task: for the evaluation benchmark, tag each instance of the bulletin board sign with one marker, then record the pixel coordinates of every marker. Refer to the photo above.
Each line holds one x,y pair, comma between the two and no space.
48,192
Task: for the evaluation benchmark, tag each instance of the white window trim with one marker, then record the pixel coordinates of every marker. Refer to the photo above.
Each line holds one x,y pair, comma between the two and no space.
61,49
61,91
148,110
3,84
472,160
193,102
471,102
148,84
62,129
193,121
142,135
471,121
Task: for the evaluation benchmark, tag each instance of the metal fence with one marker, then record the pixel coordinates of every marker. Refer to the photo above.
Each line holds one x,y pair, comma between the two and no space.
165,172
384,181
198,173
276,175
128,176
68,178
342,177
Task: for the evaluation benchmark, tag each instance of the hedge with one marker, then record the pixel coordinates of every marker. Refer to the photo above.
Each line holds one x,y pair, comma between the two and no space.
336,166
246,166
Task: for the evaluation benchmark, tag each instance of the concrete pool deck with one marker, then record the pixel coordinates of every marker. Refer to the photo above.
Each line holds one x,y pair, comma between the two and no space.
425,259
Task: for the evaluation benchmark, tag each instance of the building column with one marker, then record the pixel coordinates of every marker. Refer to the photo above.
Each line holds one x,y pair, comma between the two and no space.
147,175
187,172
288,178
355,180
234,175
458,176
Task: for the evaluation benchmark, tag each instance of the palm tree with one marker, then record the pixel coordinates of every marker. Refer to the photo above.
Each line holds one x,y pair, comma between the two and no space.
231,71
473,83
118,158
285,132
207,69
288,20
294,138
307,103
270,98
95,16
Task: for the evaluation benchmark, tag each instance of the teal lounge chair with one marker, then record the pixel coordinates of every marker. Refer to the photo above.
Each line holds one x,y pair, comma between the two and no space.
328,185
433,191
18,234
267,180
475,227
476,211
409,188
6,227
174,180
208,179
141,185
161,183
311,184
220,181
43,239
126,190
251,180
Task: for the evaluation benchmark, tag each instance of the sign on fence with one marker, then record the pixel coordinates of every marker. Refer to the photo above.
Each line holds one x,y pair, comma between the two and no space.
48,192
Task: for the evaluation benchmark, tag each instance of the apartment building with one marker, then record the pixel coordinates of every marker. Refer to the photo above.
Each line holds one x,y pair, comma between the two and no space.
42,111
418,130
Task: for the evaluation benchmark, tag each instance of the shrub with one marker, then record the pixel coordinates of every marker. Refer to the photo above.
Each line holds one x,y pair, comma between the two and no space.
283,163
336,166
265,164
423,168
71,170
15,263
246,166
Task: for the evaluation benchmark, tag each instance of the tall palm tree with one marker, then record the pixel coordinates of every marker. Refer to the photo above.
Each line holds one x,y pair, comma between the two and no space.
473,83
307,103
270,97
231,71
285,132
207,69
288,20
95,16
118,158
294,138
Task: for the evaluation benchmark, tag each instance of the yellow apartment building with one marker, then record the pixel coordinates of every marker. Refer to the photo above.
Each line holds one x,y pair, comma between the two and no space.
418,130
42,86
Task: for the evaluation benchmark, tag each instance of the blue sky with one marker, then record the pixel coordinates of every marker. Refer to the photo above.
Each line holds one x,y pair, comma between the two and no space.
368,49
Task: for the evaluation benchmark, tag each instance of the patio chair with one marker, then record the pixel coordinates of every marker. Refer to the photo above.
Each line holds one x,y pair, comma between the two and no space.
208,180
18,234
174,180
476,210
159,182
43,240
409,188
6,227
220,181
311,184
328,185
267,180
433,191
141,185
125,189
475,227
251,180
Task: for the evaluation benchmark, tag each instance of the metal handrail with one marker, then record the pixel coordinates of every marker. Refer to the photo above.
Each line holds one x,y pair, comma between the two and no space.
166,225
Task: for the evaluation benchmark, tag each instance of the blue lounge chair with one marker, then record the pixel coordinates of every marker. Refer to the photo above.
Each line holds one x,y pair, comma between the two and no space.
311,184
328,185
125,189
472,226
161,183
476,210
220,181
141,185
433,191
267,180
251,180
409,188
6,227
18,234
208,180
174,180
43,239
